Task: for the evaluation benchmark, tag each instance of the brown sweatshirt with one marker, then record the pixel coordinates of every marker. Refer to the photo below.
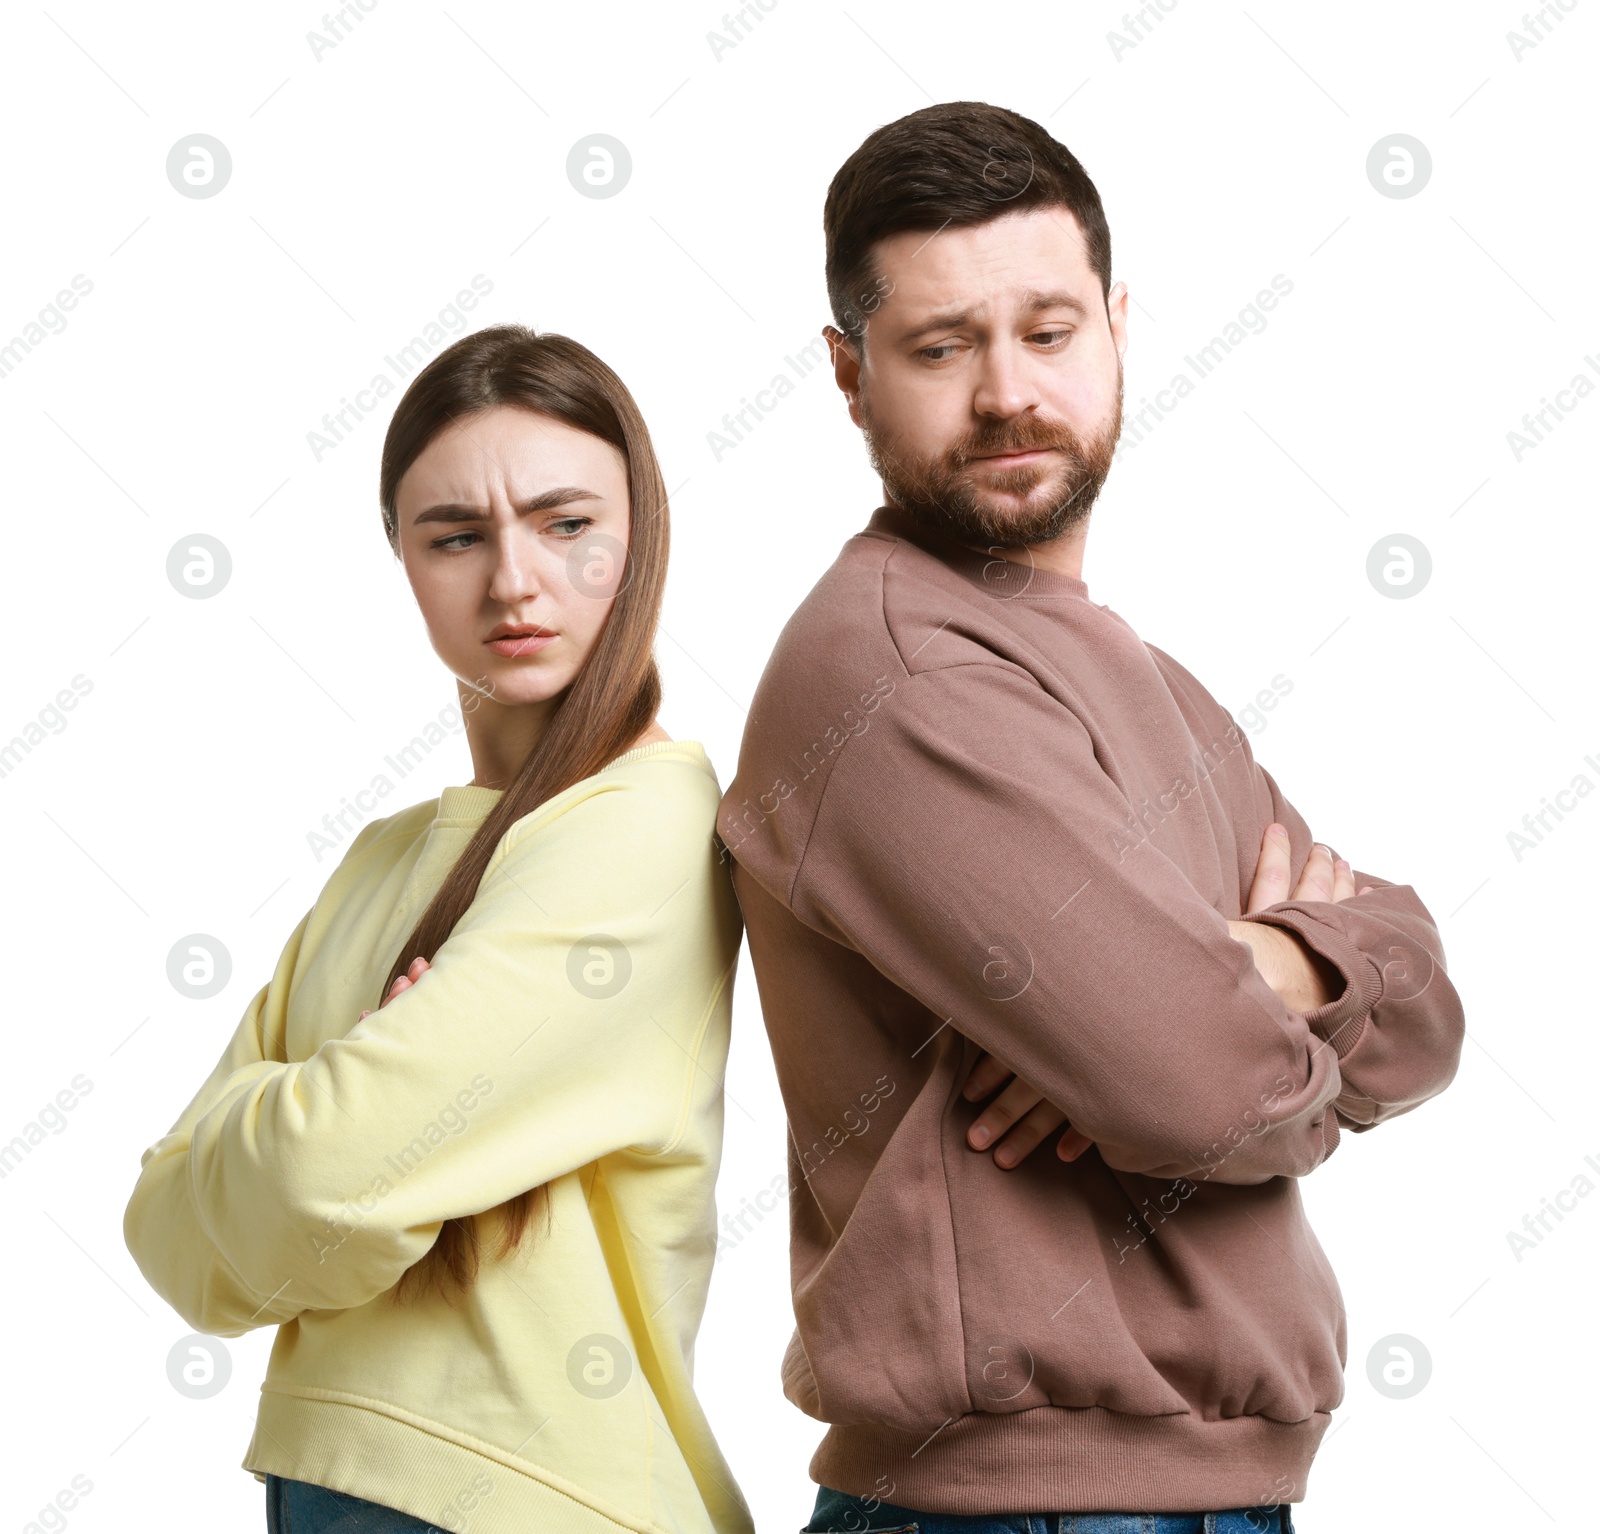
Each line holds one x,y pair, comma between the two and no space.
973,810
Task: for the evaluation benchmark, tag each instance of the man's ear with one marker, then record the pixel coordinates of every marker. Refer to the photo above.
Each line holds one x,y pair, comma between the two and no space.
1117,316
846,358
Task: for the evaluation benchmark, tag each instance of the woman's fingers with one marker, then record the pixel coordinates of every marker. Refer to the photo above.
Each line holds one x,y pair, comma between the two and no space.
988,1076
416,970
419,967
404,982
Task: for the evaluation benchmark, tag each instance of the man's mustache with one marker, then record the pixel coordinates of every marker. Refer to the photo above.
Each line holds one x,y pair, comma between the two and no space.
1014,440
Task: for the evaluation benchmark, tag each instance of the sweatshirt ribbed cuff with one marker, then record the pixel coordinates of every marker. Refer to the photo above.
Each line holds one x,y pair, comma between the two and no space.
1342,1021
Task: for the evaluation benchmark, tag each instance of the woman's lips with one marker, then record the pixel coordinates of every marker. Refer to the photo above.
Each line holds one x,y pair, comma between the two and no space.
519,644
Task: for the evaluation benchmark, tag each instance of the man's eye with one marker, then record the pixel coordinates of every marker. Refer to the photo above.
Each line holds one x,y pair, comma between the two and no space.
937,353
1050,337
453,539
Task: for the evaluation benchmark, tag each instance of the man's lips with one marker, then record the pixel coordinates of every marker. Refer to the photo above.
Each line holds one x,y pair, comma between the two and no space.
1011,459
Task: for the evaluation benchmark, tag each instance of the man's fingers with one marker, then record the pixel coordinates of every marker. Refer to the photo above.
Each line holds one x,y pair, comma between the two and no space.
1324,876
1041,1120
1344,883
1271,882
1316,878
1007,1109
1072,1144
987,1077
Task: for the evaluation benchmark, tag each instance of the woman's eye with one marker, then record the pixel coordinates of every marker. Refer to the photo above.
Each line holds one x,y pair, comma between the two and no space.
577,524
453,542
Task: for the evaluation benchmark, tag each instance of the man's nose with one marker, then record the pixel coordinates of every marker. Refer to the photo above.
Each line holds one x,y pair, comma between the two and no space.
1004,386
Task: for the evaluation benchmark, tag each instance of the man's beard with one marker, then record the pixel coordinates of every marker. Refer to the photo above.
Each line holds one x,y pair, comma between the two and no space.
939,495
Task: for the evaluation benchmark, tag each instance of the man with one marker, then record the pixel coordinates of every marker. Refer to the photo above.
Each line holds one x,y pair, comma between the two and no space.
980,828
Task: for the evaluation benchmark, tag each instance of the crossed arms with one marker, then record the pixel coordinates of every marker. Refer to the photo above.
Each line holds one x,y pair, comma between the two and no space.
1119,992
1021,1117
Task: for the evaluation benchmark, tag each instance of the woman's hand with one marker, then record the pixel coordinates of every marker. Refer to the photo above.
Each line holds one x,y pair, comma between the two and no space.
419,967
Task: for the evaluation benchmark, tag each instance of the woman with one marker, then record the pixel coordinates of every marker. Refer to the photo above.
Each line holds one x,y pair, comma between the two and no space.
506,1017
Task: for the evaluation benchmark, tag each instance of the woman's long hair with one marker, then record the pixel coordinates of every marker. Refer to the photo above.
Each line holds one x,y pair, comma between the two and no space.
608,704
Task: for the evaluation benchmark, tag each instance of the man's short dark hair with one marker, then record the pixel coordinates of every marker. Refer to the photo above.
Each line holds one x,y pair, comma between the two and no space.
957,164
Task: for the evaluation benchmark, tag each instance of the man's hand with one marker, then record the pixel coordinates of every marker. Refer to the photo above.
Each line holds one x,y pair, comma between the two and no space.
1302,979
1020,1119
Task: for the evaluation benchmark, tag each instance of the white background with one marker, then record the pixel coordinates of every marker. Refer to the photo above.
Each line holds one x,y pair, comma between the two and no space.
429,146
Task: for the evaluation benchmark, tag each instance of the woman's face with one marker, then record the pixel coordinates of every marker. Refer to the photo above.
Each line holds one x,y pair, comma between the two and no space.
513,530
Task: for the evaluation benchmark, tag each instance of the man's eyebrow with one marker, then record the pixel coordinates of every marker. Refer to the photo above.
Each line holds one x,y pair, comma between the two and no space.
1031,301
546,500
1058,299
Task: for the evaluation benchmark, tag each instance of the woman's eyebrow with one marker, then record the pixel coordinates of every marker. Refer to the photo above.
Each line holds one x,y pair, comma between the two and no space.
546,500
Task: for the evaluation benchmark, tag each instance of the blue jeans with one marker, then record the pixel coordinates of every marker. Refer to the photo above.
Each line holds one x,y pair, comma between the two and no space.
298,1507
837,1513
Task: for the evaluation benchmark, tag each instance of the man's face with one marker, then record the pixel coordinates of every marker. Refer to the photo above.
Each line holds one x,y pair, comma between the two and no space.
990,389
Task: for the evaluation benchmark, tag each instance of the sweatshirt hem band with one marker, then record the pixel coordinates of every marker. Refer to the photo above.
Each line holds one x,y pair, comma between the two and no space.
364,1452
1055,1459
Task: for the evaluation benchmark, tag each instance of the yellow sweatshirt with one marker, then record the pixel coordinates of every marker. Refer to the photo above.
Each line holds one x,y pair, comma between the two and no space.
573,1031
